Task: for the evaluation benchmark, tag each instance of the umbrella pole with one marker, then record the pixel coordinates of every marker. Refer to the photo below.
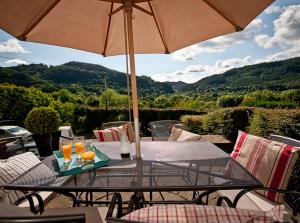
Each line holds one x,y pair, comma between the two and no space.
128,10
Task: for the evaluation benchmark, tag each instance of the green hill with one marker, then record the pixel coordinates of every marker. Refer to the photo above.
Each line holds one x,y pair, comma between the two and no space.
77,77
90,79
276,76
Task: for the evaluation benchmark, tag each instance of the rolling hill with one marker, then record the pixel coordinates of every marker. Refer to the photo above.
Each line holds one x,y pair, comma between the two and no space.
91,79
77,77
276,76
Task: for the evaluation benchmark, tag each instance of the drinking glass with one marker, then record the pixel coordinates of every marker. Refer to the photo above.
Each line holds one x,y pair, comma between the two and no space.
67,150
79,146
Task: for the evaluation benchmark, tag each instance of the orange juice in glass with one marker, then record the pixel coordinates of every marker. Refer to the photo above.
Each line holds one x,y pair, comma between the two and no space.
67,151
79,149
79,146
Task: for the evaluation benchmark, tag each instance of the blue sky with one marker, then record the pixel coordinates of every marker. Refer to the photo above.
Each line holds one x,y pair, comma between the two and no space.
274,35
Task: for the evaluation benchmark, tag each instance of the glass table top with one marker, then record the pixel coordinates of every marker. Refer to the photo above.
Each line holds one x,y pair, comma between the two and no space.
165,166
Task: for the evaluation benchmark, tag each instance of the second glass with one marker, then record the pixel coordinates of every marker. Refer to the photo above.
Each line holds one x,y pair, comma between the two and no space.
79,146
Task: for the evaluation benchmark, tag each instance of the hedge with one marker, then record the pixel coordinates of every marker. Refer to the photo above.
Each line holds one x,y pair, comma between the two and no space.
257,121
275,121
88,118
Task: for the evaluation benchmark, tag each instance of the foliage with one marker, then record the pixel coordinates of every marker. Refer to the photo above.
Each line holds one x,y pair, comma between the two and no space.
16,102
162,102
267,99
276,121
92,100
291,95
276,76
225,101
108,97
77,78
42,120
194,123
225,122
65,111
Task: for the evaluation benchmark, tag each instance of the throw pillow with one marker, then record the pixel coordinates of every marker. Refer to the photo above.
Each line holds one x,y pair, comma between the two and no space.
175,133
111,134
188,136
10,169
269,161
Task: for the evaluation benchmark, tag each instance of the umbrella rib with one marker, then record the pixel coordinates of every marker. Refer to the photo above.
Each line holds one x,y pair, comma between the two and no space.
37,21
116,10
108,28
237,28
142,9
160,33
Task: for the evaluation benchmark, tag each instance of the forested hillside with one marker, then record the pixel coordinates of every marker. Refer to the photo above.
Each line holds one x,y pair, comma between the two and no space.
77,78
89,79
276,76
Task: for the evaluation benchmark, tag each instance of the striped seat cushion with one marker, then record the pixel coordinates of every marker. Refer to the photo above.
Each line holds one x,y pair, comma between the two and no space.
203,214
269,161
10,169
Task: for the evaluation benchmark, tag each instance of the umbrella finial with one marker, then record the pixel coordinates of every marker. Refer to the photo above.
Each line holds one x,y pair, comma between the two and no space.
128,5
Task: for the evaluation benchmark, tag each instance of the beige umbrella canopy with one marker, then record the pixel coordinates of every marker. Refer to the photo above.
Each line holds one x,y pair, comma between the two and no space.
151,26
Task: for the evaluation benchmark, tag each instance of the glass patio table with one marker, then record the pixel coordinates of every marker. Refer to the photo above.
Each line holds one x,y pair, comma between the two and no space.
165,166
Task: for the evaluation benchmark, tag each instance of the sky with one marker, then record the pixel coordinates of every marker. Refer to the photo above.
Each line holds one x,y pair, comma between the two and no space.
273,35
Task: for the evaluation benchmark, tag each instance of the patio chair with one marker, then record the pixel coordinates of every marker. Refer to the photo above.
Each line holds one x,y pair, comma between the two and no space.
160,130
285,191
10,145
13,167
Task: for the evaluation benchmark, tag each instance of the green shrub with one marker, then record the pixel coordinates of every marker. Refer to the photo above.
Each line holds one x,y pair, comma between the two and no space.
271,104
42,120
227,122
65,111
16,102
194,123
277,121
229,101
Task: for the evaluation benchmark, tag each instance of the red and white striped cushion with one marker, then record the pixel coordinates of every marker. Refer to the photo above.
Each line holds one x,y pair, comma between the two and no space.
269,161
204,214
115,133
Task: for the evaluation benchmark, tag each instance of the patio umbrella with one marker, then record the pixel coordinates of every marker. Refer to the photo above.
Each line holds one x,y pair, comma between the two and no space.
151,26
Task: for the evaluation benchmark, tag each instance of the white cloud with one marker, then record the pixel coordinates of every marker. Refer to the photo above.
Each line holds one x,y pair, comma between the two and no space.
194,73
12,46
16,61
273,9
286,34
218,44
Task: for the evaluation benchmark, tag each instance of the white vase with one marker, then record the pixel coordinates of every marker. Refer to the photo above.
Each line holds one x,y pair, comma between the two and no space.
125,145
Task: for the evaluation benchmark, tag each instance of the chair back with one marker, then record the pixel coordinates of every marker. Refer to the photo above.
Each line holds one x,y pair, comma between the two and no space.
285,140
162,128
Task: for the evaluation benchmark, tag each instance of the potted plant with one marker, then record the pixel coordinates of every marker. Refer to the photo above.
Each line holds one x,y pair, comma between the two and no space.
44,122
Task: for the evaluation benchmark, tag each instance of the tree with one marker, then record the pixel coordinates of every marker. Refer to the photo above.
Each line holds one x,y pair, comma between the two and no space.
229,101
16,102
108,97
92,100
162,102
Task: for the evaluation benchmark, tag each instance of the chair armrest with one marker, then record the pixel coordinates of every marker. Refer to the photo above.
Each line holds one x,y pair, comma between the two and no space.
28,196
233,204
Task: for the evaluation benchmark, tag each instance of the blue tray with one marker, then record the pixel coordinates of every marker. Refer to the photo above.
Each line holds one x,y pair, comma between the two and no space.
79,166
